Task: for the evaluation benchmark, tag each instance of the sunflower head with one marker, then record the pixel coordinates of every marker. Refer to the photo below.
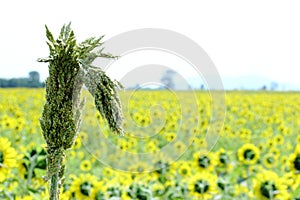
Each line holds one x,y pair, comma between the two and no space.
205,160
268,185
184,169
158,189
294,160
248,154
8,158
1,157
83,186
270,160
86,165
292,180
223,161
203,185
268,189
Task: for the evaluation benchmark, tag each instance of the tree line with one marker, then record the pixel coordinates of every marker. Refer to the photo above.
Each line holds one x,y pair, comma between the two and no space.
33,81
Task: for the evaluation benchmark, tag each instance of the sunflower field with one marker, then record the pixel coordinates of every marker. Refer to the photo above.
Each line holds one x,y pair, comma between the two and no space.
256,155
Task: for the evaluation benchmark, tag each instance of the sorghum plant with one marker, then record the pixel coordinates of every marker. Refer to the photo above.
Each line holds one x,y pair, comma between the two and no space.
69,69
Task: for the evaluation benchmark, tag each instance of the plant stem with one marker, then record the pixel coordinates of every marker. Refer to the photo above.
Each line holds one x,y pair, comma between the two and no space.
55,170
54,187
248,181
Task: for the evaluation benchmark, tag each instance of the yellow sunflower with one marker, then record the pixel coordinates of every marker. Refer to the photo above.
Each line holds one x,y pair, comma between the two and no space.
108,172
248,154
205,160
86,165
139,167
223,161
8,157
240,190
294,160
270,160
198,142
179,147
184,169
298,138
27,197
123,178
278,139
170,136
254,169
158,189
77,143
275,151
151,147
83,186
268,185
292,180
203,186
99,191
123,145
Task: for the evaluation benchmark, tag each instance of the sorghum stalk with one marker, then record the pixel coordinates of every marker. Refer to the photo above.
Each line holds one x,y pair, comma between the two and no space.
69,68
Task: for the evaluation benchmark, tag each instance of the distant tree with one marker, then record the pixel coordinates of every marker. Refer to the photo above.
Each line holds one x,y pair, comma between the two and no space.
3,83
274,86
33,81
263,87
14,82
202,87
18,82
168,79
34,76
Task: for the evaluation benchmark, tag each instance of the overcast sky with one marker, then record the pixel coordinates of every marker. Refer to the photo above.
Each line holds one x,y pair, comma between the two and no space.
243,38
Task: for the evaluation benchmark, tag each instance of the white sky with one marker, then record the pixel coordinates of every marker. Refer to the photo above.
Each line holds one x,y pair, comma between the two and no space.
241,37
130,66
